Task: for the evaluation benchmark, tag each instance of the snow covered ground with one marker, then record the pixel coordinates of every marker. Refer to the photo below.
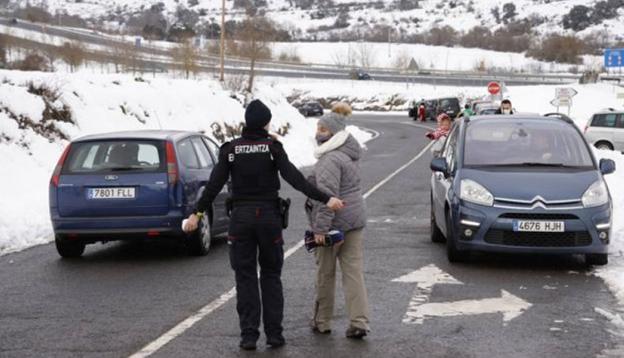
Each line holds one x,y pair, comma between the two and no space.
104,103
427,57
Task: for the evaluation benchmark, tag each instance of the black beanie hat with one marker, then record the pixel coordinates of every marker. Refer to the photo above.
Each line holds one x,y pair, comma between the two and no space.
257,115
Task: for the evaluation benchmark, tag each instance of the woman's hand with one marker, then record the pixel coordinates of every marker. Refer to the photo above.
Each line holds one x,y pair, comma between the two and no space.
335,204
319,239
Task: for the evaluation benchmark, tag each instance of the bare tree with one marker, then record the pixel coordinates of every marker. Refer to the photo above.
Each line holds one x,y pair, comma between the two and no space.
365,55
73,53
402,60
345,58
116,52
186,56
255,34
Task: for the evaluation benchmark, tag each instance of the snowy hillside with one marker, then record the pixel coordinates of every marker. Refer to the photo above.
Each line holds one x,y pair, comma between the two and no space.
318,19
39,112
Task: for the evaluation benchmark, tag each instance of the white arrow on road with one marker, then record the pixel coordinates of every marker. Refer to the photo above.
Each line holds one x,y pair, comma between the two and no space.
420,308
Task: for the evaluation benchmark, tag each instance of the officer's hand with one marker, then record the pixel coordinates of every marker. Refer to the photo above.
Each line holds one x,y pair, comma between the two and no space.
335,204
319,239
191,224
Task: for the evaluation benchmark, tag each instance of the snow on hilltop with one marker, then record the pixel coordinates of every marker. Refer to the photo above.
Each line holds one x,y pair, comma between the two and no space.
313,18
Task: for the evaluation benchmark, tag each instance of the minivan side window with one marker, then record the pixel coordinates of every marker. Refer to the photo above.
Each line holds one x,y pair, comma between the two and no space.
604,120
187,155
214,150
205,161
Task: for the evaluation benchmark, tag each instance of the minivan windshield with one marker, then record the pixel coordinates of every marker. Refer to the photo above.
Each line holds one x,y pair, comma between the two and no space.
115,156
528,143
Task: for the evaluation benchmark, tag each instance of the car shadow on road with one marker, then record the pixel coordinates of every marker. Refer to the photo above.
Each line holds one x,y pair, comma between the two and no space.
146,251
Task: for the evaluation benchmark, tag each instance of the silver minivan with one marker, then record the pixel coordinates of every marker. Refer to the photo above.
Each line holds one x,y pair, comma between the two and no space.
605,130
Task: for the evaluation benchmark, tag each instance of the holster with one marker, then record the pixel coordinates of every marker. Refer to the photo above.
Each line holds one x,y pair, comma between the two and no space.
284,208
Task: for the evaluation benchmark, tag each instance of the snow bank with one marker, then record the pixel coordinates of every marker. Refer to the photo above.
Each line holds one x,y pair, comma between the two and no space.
105,103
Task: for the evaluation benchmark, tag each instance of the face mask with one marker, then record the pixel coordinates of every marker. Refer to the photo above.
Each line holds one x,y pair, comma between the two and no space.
320,139
506,111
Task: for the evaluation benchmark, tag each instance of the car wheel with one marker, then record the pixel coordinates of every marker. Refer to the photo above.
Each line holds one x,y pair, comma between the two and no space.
198,244
68,248
452,253
596,259
436,234
604,146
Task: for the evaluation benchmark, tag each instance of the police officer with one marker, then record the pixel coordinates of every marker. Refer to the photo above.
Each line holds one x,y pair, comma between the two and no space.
255,233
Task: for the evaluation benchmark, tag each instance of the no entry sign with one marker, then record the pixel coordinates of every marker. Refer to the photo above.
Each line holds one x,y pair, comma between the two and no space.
494,88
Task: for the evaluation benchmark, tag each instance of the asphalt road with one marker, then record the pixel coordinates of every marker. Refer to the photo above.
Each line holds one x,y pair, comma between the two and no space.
120,297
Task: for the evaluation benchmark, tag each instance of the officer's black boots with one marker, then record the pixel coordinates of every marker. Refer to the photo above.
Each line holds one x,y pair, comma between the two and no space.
276,341
248,344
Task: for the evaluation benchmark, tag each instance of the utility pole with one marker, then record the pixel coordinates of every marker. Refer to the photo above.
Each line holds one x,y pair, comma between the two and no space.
222,47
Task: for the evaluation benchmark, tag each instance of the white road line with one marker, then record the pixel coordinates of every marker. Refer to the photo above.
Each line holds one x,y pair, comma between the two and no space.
417,125
189,322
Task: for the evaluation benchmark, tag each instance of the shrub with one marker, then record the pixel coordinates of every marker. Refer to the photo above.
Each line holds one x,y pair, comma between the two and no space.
557,48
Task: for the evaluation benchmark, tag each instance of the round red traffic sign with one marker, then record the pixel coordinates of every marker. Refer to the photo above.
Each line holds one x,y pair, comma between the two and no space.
494,87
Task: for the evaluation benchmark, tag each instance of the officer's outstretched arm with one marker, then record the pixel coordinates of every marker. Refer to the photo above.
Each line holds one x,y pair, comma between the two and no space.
293,176
218,178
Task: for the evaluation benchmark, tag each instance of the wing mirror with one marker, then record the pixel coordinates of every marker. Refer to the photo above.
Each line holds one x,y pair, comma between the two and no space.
439,165
607,166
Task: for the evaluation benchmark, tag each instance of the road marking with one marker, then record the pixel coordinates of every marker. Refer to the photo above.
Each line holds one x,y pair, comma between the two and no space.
189,322
420,308
417,125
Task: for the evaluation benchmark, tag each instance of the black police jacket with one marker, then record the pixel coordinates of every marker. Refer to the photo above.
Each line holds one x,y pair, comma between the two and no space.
253,161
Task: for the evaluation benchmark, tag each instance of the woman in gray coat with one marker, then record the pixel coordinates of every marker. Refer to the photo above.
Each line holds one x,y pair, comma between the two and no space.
337,172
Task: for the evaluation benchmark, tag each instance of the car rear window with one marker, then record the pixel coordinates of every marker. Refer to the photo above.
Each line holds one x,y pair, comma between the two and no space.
525,142
115,156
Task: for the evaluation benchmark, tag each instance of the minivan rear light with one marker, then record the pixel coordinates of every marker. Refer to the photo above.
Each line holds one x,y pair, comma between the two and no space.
172,164
56,175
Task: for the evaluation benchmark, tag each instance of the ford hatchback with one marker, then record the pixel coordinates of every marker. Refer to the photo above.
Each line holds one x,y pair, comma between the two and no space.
133,185
520,184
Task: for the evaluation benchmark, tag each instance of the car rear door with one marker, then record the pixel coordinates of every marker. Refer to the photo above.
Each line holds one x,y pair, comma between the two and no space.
221,220
602,127
618,133
111,178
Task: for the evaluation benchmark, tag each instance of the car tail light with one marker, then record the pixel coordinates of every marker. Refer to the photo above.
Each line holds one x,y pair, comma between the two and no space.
172,164
56,175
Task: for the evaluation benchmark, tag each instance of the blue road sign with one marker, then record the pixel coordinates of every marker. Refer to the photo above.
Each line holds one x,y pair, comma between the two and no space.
614,57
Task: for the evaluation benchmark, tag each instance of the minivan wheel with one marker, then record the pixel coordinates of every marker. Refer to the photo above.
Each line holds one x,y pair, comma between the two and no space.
452,253
596,259
604,146
69,249
436,234
198,244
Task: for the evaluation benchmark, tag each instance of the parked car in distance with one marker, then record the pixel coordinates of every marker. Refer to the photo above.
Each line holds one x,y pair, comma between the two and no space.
311,109
360,75
134,185
520,184
434,107
449,106
605,130
485,109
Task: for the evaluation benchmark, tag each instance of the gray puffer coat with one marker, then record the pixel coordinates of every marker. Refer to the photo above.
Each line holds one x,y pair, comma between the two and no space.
337,173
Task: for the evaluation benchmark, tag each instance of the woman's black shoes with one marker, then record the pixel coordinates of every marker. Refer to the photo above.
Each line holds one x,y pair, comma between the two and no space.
356,333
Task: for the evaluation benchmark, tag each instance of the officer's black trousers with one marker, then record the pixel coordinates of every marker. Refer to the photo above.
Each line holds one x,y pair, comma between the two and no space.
256,236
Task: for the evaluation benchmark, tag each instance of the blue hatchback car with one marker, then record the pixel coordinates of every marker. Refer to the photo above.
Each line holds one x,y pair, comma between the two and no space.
520,184
130,185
